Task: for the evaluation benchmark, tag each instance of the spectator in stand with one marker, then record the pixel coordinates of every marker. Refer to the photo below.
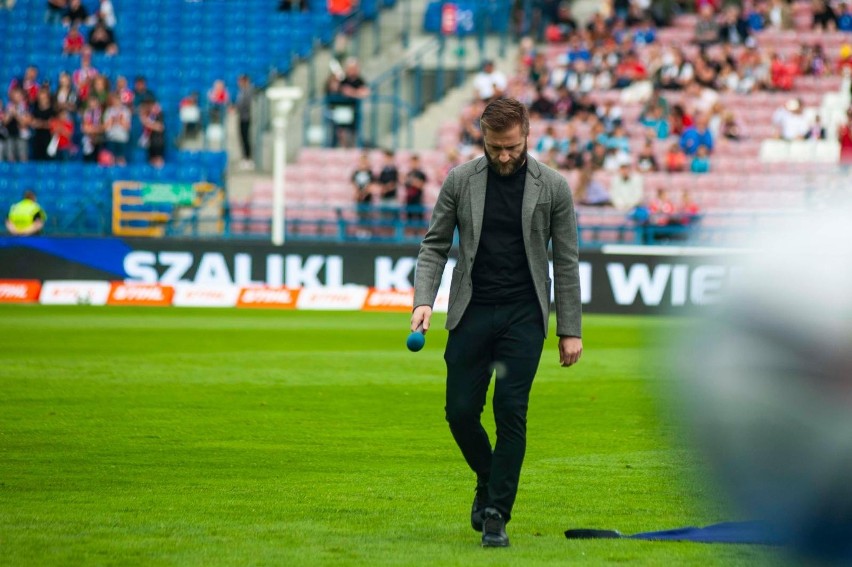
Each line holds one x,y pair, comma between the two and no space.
679,120
816,131
102,39
73,42
75,14
597,154
85,73
781,72
791,120
415,183
93,130
26,217
727,80
190,117
489,84
141,93
123,91
844,18
753,69
579,78
100,90
17,121
542,107
590,192
29,83
696,136
675,159
564,103
619,140
844,62
55,11
550,140
117,130
629,70
700,161
564,25
844,137
363,180
153,135
106,12
65,97
626,188
538,73
470,135
352,90
42,113
675,71
552,159
217,99
242,107
779,15
388,183
656,122
733,28
688,213
62,131
706,27
730,128
824,16
646,160
662,209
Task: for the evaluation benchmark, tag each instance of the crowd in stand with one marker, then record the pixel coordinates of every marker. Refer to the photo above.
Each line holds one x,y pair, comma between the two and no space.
378,196
559,82
85,116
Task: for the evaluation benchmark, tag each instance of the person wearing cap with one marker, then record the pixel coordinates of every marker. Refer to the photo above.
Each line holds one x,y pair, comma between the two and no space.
26,217
791,120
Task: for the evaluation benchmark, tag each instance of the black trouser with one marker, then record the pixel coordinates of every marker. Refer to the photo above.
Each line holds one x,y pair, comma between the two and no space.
245,132
506,339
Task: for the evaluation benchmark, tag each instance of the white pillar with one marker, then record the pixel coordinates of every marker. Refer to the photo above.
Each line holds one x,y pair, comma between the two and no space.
279,172
282,99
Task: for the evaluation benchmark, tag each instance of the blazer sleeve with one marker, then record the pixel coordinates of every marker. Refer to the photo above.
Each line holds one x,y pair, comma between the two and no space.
566,269
436,244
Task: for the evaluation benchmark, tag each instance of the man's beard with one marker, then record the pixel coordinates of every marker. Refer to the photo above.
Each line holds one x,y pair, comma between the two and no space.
510,166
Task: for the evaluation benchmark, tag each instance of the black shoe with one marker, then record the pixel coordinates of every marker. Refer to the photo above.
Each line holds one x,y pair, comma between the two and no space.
494,529
480,501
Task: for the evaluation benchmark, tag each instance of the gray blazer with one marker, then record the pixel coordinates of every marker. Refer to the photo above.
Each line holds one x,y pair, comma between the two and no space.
548,215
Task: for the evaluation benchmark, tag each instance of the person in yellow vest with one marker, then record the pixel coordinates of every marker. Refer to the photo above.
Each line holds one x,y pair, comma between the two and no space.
26,217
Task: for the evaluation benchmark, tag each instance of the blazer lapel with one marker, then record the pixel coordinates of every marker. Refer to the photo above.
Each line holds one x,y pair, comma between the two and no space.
532,188
476,193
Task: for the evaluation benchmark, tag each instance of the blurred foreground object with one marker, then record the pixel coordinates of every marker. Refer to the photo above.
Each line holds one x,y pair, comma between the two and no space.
769,385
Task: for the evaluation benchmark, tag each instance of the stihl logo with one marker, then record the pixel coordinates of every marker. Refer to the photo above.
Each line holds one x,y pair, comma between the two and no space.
133,293
12,291
278,297
267,296
140,294
389,300
19,291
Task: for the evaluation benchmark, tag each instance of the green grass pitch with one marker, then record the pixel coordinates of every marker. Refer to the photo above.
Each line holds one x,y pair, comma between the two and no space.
226,437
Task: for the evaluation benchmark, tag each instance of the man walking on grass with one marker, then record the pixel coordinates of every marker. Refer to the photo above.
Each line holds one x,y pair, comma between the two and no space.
507,208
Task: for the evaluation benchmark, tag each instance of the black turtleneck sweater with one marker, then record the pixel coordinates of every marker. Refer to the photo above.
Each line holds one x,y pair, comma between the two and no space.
501,273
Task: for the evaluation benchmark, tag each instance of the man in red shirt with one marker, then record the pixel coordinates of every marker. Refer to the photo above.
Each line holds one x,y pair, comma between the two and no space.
74,41
629,70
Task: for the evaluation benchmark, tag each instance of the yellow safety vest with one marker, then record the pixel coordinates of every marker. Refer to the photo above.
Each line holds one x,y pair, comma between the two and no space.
23,213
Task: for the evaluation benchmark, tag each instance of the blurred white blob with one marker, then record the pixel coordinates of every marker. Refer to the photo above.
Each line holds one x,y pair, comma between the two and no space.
769,384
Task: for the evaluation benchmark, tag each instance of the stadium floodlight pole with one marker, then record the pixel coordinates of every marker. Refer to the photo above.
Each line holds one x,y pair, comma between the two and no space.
282,100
